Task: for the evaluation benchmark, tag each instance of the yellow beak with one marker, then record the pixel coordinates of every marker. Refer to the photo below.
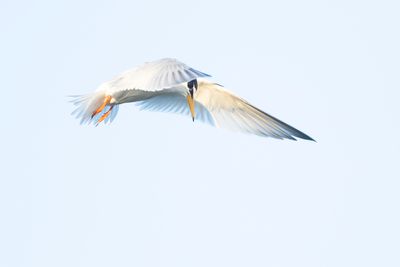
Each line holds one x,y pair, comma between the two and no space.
190,101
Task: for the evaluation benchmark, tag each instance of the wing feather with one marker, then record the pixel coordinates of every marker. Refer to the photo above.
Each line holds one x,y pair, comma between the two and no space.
153,76
174,102
234,113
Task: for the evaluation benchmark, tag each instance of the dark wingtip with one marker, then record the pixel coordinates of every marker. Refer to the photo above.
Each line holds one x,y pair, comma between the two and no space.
312,140
291,131
306,137
300,135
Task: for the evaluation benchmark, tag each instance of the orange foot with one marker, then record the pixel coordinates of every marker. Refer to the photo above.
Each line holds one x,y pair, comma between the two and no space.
104,116
106,101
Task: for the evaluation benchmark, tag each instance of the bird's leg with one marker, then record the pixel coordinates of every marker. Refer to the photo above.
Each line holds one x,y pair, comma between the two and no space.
104,116
106,101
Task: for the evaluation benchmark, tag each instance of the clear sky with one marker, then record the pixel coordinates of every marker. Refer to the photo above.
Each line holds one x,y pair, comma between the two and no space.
154,189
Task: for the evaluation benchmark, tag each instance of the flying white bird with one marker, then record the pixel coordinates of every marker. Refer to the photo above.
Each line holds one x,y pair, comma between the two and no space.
171,86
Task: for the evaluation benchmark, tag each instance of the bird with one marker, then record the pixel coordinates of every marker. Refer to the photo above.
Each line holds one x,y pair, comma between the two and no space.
168,85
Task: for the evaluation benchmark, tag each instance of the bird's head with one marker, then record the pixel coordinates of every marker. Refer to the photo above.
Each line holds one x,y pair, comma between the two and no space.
192,87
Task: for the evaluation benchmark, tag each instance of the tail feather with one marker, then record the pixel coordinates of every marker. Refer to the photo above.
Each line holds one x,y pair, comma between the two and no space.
87,105
113,114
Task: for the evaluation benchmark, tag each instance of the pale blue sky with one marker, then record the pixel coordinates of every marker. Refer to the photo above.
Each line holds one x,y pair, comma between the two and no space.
155,189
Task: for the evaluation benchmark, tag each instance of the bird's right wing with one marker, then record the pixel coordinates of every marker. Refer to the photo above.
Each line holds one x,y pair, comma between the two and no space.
232,112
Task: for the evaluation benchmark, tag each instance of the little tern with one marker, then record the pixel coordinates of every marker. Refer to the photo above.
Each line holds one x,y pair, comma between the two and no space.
169,85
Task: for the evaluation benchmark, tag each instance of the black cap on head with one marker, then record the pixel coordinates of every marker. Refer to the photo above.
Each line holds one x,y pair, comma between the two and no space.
192,83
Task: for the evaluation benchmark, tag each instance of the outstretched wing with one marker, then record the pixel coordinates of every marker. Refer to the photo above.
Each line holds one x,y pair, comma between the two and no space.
232,112
153,76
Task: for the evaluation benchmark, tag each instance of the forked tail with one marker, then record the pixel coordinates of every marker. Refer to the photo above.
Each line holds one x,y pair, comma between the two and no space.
94,108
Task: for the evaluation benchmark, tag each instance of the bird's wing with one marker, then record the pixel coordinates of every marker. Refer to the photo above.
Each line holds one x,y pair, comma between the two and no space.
153,76
232,112
173,101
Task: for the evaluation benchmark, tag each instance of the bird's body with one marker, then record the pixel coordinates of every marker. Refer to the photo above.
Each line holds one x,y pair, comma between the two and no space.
170,86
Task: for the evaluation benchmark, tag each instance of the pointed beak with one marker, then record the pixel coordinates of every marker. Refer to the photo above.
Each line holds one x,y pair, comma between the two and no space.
190,101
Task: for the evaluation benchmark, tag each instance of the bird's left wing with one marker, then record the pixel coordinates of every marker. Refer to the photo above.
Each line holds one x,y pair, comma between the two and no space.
153,76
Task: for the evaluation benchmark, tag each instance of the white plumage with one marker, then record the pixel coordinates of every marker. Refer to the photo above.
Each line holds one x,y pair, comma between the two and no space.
168,85
153,76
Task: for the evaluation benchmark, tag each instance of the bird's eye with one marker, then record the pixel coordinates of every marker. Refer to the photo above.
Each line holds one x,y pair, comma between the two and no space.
190,84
